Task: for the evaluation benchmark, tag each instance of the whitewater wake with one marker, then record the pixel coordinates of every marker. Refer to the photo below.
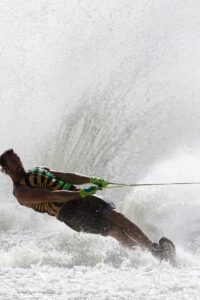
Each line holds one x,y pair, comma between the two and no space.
108,89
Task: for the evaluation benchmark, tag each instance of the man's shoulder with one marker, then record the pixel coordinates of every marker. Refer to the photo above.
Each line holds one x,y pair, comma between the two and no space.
18,189
20,192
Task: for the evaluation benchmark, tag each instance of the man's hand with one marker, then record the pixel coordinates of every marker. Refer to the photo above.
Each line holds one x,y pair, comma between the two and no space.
88,192
102,183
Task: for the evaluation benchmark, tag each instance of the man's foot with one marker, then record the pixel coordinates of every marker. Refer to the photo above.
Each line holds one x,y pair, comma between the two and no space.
164,250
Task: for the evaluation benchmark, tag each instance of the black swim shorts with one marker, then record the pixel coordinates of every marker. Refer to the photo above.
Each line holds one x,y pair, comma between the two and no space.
87,214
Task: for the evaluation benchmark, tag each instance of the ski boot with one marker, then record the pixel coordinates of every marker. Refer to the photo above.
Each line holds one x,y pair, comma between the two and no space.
164,250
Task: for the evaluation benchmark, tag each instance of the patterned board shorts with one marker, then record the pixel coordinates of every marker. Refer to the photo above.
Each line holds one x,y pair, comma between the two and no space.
87,214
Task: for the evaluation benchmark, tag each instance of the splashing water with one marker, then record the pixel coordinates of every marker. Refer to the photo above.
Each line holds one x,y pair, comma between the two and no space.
108,89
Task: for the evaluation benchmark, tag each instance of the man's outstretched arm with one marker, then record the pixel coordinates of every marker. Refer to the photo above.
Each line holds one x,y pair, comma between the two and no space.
74,178
26,195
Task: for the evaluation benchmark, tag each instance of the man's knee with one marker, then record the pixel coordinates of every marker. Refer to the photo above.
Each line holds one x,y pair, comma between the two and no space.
114,216
114,231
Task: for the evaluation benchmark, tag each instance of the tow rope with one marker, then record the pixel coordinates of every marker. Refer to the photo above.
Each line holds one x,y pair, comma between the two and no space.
120,185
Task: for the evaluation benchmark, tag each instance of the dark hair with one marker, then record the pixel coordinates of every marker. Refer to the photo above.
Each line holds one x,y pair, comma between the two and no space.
2,159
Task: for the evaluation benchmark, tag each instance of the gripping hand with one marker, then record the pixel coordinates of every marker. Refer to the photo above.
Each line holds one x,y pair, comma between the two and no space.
88,192
102,183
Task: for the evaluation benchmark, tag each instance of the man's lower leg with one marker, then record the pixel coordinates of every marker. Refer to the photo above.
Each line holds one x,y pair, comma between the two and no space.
121,236
135,233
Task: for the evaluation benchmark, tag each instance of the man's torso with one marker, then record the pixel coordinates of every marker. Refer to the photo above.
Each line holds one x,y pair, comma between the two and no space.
39,178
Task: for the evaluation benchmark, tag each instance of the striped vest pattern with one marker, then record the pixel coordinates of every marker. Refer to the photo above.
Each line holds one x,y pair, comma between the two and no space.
42,179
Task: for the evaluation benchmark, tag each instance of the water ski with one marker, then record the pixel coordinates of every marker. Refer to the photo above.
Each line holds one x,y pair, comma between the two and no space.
164,250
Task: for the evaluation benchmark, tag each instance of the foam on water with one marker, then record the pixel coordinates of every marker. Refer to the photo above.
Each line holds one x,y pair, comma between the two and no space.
108,89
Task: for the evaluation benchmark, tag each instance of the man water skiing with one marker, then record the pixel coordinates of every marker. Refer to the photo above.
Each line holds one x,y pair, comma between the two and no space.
56,194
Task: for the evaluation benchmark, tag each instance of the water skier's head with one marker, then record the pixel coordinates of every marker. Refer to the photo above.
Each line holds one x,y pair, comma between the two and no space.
11,164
